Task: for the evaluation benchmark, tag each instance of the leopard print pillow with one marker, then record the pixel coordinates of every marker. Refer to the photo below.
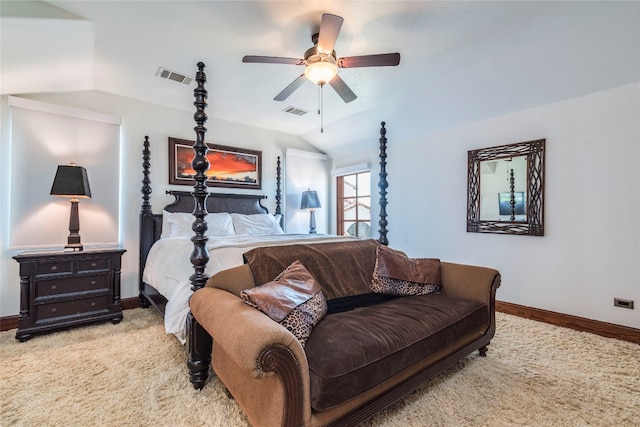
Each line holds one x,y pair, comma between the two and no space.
397,274
301,321
293,299
389,286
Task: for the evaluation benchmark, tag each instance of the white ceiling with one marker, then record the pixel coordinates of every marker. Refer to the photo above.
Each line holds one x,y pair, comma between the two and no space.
461,61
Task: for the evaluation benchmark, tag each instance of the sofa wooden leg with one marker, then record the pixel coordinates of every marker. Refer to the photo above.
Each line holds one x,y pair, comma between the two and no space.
483,351
199,344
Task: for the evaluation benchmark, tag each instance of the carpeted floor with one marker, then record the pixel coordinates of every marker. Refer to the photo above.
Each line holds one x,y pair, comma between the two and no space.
132,374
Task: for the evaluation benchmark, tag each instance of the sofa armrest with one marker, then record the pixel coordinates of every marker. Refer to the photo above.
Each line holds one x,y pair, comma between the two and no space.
470,281
249,351
475,283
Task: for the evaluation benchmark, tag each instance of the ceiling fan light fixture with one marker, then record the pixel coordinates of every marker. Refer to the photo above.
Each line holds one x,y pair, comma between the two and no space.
321,72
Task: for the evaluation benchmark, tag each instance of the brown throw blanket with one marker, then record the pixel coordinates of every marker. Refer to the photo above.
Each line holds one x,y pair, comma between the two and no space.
341,268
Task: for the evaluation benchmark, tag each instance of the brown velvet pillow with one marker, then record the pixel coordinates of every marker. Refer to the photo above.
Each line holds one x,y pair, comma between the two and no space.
293,299
397,274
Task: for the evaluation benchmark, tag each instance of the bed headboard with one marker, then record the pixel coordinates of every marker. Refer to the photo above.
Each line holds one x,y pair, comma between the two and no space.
216,202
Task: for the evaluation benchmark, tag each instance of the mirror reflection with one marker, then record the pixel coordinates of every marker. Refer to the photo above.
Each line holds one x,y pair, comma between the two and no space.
503,189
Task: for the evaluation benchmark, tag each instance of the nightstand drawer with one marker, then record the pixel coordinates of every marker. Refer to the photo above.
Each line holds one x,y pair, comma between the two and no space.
93,264
71,308
67,285
54,267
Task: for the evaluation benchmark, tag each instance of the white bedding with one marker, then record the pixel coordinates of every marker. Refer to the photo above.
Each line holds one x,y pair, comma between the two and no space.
168,267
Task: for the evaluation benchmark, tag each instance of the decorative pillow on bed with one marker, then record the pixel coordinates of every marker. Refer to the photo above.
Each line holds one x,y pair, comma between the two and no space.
397,274
249,225
178,224
293,299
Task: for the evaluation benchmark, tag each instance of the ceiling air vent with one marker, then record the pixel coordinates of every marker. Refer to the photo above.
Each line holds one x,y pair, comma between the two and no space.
295,110
172,75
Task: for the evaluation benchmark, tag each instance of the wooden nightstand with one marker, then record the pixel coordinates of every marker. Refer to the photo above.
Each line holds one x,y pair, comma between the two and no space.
62,289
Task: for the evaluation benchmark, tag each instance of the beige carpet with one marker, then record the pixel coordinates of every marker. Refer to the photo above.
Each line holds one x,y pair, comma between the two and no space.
131,374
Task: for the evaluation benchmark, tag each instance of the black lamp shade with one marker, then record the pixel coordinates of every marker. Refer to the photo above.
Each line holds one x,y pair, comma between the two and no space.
310,200
71,181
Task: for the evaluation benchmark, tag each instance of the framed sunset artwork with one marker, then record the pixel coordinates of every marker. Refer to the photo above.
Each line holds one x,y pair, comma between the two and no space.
228,166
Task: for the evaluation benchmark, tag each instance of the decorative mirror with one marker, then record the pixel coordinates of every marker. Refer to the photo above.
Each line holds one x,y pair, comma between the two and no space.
505,192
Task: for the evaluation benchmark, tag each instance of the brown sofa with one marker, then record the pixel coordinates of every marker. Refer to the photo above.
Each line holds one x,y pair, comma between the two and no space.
367,352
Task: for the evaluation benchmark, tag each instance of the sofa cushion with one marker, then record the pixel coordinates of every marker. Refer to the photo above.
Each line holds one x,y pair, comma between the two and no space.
397,274
341,268
293,299
353,351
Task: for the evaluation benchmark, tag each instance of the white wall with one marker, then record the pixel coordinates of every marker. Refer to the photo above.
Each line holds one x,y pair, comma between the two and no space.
138,119
591,249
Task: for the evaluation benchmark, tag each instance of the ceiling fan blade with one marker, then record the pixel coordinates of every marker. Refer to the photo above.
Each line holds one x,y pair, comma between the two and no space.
329,30
380,60
272,60
291,88
342,89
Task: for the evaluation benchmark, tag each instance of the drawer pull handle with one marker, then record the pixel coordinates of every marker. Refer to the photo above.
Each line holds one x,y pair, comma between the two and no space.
93,304
54,287
54,268
53,310
93,282
93,264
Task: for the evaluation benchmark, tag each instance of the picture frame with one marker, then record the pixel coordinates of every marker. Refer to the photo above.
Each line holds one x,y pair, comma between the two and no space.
230,167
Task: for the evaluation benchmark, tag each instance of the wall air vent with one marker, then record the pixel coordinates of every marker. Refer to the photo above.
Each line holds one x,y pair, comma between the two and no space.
172,75
295,110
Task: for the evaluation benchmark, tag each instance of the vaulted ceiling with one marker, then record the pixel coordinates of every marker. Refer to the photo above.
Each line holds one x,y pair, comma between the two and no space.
460,61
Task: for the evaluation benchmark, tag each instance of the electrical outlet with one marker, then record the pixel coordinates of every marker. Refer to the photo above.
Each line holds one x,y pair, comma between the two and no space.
624,303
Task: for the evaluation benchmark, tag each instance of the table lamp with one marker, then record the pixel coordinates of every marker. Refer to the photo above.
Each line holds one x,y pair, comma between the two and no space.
71,181
310,201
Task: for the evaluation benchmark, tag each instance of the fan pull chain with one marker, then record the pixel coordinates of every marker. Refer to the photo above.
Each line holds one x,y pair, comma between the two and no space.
321,106
321,109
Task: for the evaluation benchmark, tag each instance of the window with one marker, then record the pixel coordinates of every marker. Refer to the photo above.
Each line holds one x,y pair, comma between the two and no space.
354,204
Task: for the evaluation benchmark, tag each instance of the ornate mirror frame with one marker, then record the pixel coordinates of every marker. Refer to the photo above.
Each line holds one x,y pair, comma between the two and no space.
534,224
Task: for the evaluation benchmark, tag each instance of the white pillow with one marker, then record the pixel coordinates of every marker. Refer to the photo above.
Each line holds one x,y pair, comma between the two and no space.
249,225
166,225
178,224
220,224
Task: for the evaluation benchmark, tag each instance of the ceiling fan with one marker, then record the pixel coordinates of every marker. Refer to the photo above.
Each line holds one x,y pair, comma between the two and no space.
321,63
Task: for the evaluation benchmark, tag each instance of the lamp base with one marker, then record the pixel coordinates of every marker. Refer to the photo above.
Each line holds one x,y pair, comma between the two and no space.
74,248
73,241
312,222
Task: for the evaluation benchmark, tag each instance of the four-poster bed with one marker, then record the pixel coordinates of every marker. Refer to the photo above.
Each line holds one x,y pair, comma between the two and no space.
157,290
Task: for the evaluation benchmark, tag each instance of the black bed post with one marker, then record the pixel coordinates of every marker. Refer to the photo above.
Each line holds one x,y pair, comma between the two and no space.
199,342
200,164
278,192
382,185
146,218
